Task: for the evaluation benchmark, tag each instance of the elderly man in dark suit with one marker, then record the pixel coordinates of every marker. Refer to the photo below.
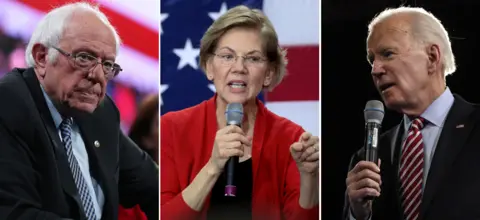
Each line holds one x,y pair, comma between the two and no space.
62,153
429,164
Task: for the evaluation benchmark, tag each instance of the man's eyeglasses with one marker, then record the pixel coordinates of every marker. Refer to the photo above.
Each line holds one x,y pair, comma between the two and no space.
87,62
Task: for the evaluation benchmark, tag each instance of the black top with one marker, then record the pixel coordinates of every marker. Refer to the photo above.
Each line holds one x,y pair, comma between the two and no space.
234,208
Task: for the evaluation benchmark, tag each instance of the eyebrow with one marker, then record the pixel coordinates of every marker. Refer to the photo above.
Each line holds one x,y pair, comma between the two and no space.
93,52
232,50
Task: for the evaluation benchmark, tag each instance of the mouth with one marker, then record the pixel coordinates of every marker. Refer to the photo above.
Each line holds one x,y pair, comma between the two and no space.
237,84
385,86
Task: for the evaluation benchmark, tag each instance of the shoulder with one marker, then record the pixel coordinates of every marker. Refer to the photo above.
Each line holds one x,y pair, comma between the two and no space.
15,96
184,117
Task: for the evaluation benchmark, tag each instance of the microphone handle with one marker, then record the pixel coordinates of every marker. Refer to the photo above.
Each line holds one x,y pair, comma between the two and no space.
230,187
371,147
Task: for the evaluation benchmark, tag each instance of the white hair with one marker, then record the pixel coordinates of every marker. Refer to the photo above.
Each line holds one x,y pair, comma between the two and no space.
426,29
50,29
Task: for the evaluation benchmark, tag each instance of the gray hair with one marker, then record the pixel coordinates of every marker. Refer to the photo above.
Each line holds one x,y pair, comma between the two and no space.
426,29
50,29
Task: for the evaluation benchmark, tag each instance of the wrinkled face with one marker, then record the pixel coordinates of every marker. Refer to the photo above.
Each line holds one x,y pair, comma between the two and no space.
63,79
239,66
399,64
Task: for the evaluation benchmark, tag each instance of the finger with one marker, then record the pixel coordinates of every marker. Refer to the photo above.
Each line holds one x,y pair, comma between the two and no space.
359,195
366,183
313,157
296,150
311,141
305,136
227,153
365,174
237,137
365,165
296,147
307,152
231,129
232,145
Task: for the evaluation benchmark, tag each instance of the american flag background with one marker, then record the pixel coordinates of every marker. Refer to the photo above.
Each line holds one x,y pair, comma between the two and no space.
137,22
183,84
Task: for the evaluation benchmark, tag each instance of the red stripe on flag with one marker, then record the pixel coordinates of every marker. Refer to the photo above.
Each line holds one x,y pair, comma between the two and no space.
301,82
132,33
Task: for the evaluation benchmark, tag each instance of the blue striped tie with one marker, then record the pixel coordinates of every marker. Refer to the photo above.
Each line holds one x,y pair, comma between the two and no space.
66,131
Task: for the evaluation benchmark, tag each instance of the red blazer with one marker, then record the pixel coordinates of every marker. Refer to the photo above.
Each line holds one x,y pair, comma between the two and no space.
187,138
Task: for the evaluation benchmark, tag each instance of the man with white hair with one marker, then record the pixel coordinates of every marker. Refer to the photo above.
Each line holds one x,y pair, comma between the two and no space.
429,163
62,153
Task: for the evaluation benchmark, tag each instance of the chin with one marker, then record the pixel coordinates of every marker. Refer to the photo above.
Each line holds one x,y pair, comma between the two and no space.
84,107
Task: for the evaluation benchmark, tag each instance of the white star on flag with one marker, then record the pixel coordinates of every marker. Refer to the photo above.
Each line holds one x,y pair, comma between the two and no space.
211,86
163,87
188,55
163,16
216,15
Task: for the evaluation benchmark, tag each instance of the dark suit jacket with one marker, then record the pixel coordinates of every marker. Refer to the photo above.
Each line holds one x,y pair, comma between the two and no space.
35,179
452,190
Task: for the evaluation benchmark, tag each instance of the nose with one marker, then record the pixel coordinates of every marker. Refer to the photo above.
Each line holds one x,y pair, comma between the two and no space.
239,65
377,68
96,74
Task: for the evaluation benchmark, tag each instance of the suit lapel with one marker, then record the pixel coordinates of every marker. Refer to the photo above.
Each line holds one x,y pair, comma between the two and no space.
396,143
63,166
452,140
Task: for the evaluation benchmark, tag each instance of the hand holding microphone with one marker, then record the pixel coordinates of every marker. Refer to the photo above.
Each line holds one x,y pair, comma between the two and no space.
364,180
229,142
229,145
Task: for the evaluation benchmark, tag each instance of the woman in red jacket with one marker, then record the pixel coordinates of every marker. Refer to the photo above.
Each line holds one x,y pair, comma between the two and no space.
277,173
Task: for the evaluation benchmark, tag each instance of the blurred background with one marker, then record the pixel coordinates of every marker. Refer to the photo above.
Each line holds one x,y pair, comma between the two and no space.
137,23
347,83
183,84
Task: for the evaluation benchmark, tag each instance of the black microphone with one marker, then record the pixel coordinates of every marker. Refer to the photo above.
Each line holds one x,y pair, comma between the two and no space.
234,116
373,114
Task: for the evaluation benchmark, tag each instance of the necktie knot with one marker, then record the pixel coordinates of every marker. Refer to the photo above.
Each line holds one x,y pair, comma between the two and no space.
419,123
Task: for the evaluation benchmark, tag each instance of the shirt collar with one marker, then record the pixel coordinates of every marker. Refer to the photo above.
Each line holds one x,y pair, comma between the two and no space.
57,118
437,111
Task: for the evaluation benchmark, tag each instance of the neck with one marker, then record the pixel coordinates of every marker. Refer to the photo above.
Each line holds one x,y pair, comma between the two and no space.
249,113
425,99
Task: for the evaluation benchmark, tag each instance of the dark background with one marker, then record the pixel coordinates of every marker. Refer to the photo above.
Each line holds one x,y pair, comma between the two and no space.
347,84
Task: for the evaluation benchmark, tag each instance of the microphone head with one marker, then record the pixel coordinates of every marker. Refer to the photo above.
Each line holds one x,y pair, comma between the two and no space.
234,114
374,111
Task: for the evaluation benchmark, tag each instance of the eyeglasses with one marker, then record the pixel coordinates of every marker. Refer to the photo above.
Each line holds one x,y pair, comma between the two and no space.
87,62
228,59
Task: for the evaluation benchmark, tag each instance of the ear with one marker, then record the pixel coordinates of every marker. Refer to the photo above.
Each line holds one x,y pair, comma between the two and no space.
434,58
39,53
209,68
269,77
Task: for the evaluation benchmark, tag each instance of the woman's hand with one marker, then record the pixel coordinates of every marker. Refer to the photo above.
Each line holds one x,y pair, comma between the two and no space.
305,153
229,141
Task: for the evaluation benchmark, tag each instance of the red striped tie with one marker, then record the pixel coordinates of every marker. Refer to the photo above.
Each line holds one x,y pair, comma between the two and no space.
411,170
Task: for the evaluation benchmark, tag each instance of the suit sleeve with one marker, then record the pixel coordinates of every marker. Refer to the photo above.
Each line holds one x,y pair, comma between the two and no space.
138,178
19,197
173,205
292,209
